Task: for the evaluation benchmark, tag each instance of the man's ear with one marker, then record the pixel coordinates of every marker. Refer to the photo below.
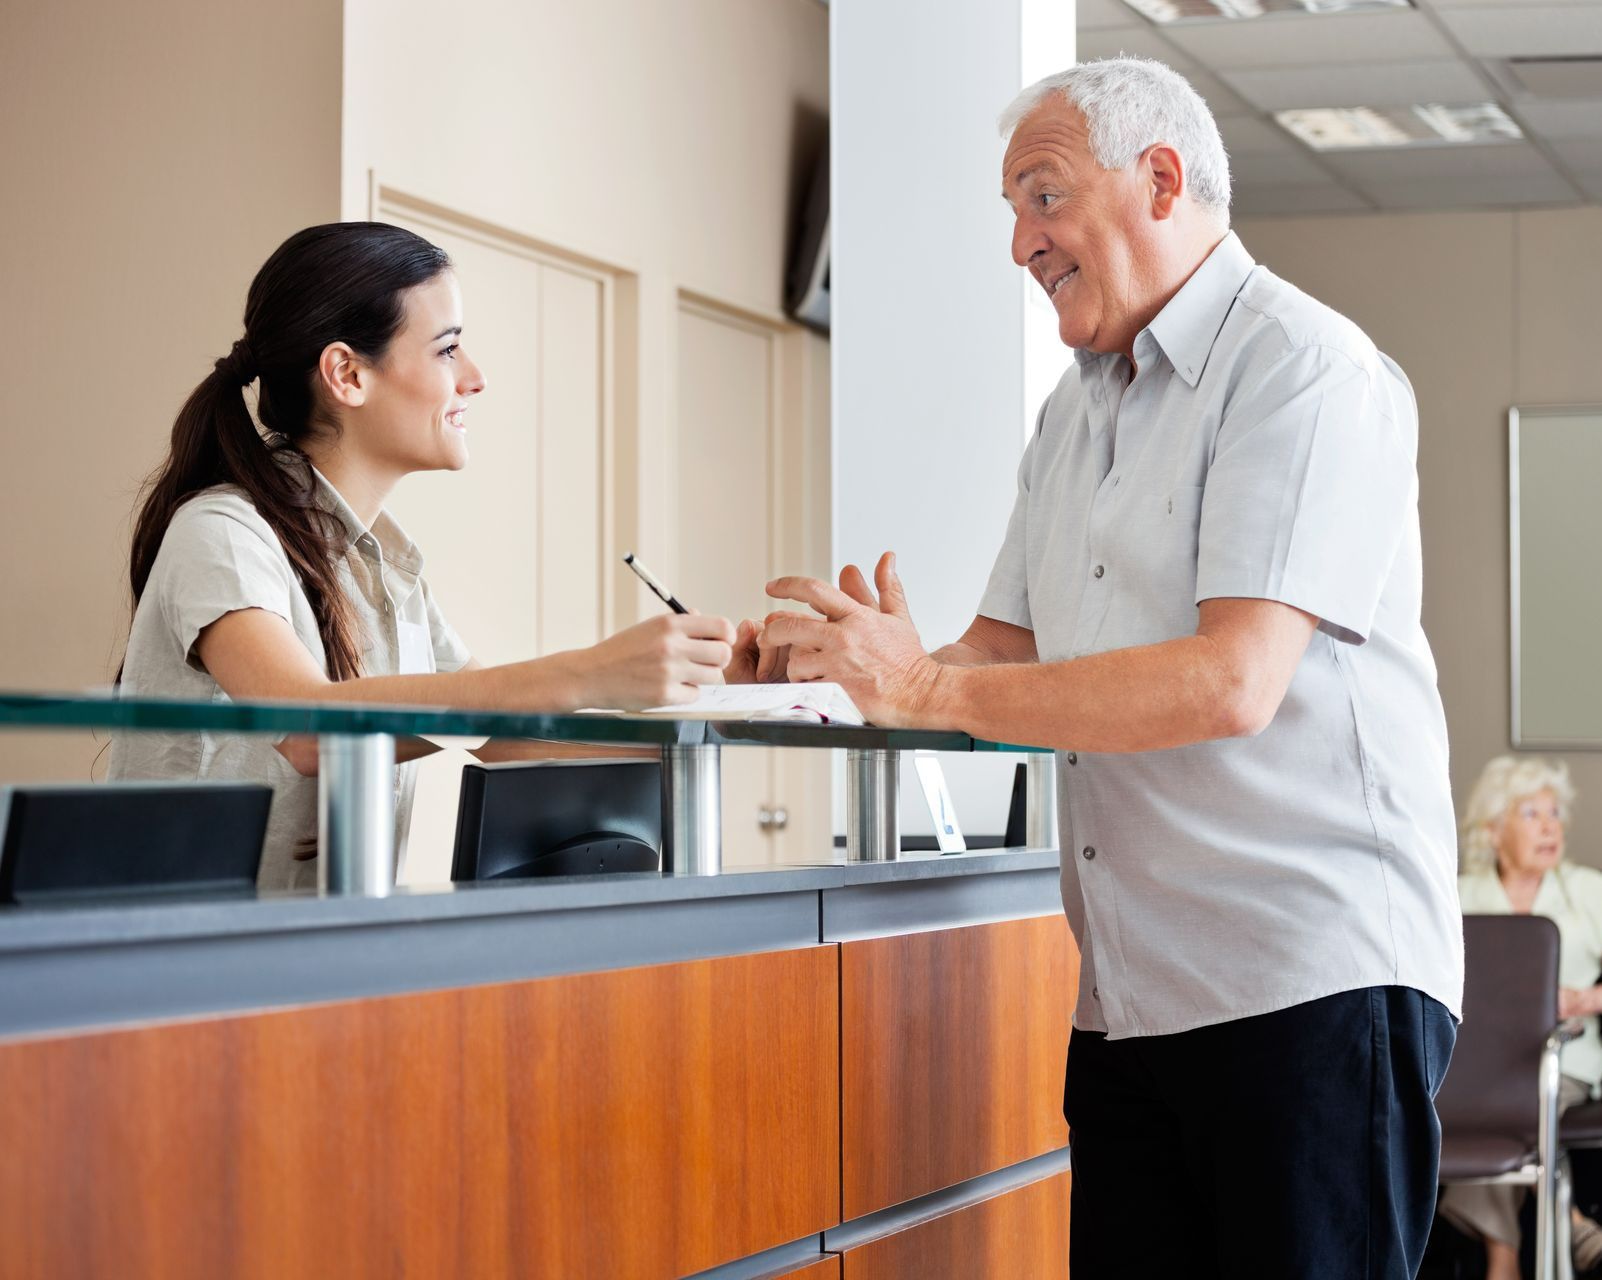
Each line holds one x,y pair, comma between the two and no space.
343,375
1166,174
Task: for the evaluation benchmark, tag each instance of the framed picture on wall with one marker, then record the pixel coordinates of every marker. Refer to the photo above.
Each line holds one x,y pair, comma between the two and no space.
1555,539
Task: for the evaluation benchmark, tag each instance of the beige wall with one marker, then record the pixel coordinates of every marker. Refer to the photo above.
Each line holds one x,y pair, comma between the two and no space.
665,141
1484,311
154,154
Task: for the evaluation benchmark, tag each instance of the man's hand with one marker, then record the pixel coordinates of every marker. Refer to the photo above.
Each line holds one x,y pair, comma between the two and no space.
866,645
756,659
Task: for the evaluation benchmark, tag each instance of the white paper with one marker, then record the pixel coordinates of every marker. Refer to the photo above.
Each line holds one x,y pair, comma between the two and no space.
815,703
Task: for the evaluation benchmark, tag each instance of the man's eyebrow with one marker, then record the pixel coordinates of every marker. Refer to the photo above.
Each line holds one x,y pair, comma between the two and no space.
455,331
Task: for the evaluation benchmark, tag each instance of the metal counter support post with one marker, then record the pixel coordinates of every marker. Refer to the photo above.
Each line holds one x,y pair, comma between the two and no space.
356,814
692,810
1040,802
873,805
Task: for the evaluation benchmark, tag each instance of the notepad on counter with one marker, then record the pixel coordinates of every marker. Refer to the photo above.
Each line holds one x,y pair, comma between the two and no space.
815,703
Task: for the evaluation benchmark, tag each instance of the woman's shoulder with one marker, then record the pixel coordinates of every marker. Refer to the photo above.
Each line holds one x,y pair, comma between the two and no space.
1582,879
219,503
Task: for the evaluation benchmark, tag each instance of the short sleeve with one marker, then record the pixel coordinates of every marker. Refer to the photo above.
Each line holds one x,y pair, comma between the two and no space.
1310,492
214,560
1006,597
450,653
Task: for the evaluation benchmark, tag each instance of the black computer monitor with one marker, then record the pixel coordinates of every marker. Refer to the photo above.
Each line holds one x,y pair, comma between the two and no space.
115,839
558,818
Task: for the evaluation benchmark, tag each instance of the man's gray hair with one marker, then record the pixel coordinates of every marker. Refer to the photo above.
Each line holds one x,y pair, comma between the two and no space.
1131,104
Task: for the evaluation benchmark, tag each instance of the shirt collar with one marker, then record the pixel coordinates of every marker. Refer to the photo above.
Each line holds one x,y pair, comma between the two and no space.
392,541
1188,326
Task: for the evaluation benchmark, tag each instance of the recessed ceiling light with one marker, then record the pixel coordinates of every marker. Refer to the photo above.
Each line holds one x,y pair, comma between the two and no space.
1166,11
1348,128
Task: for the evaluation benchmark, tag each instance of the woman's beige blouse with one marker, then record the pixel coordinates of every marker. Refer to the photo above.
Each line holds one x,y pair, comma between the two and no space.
219,556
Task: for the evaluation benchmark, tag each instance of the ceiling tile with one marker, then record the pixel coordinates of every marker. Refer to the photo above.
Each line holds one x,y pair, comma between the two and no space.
1297,40
1377,84
1090,14
1580,157
1591,184
1323,197
1219,97
1429,164
1560,119
1471,193
1527,30
1252,133
1139,42
1254,168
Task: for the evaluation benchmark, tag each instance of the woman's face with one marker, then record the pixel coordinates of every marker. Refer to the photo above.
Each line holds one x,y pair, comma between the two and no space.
1529,836
413,416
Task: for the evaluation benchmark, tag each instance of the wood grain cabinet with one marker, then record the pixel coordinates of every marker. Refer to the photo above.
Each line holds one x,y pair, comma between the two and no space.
1019,1235
952,1051
626,1125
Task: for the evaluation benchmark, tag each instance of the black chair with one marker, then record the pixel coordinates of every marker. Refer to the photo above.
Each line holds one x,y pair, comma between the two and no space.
1499,1102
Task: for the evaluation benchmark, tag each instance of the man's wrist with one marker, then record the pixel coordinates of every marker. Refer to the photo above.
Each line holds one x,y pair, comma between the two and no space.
934,705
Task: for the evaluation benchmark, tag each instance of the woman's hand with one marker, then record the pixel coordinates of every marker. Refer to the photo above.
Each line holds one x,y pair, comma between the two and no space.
1582,1002
657,662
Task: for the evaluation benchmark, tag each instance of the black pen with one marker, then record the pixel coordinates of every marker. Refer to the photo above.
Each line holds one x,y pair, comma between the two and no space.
650,580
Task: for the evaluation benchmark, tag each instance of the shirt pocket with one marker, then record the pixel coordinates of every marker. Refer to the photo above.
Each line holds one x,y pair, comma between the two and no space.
1156,548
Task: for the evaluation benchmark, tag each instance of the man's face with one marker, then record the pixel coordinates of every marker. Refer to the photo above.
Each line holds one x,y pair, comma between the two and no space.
1078,227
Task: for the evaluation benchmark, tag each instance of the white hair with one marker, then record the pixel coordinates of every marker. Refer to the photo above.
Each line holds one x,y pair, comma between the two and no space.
1502,784
1134,103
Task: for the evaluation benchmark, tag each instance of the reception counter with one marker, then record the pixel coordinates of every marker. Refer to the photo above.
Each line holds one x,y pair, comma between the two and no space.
850,1070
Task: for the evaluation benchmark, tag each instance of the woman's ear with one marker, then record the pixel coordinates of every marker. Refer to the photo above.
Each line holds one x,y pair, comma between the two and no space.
343,376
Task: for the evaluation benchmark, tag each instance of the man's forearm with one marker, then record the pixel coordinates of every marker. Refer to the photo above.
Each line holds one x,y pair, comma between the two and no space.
959,653
1142,699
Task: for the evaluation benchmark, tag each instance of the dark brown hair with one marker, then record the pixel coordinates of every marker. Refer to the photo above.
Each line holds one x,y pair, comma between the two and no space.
341,282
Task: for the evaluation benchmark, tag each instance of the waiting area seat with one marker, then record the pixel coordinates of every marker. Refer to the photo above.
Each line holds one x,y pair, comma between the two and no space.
1499,1102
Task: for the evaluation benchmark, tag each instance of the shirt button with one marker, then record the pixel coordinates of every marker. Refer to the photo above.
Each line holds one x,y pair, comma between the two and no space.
1072,758
1095,993
1099,570
1089,852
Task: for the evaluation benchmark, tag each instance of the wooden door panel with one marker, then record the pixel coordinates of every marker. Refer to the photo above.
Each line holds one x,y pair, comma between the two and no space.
1022,1233
952,1050
624,1126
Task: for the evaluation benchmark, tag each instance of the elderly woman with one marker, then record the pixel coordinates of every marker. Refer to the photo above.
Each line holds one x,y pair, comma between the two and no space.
1512,853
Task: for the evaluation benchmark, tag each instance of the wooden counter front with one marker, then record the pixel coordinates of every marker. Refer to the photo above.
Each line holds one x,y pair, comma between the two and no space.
623,1125
952,1051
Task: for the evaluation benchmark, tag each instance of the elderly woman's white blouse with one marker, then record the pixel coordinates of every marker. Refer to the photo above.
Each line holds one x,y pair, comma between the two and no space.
1571,897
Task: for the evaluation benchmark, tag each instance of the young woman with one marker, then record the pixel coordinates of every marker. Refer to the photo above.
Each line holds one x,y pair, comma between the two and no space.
265,566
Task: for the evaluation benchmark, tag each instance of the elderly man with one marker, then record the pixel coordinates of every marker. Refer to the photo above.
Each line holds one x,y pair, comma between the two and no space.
1208,602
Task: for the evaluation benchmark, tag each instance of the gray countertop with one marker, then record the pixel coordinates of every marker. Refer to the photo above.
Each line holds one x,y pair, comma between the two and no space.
134,920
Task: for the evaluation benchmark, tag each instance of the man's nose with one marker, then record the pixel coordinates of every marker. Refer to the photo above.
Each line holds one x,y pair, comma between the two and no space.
1027,241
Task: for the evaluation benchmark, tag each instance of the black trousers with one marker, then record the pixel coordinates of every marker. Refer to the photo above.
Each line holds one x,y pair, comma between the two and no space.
1297,1145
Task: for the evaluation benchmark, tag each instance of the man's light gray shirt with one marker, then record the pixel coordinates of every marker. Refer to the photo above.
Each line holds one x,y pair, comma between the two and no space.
1264,450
